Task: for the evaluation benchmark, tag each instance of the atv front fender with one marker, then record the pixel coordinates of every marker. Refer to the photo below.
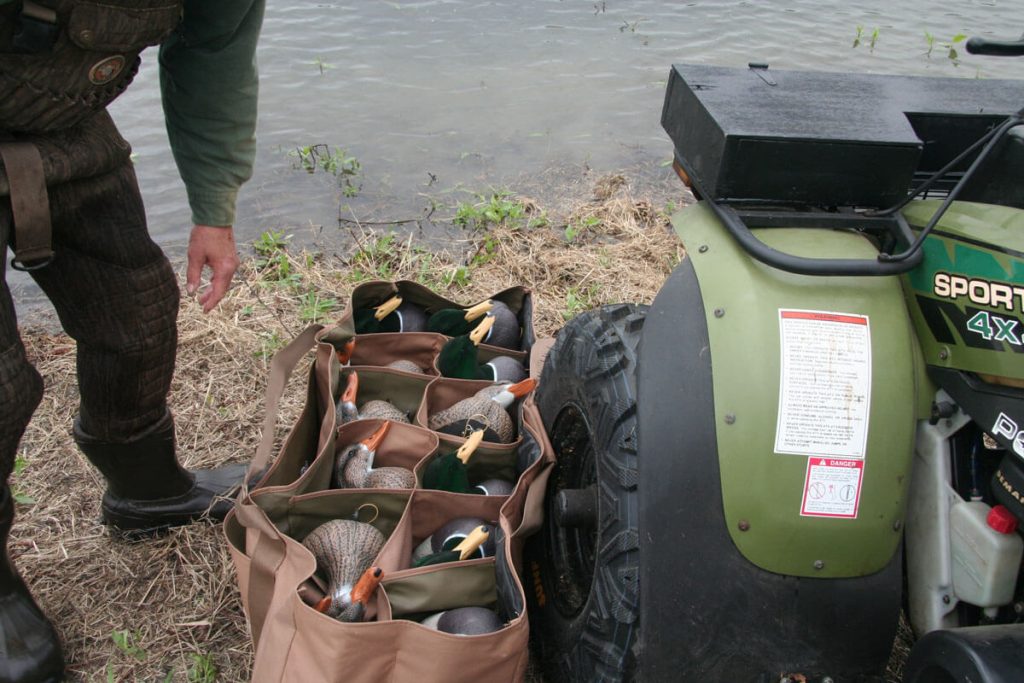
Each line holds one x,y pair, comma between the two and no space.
732,575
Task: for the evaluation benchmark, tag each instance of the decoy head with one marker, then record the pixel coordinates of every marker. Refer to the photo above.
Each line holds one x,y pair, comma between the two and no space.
355,464
352,604
458,358
511,392
346,407
344,354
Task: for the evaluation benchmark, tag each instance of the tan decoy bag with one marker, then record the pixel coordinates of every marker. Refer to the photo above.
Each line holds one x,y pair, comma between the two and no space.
276,574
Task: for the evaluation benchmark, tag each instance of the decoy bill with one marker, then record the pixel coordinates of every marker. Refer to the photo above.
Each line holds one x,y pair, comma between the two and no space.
457,321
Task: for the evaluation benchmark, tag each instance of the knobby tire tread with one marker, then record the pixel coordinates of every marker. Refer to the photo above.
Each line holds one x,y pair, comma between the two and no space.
593,364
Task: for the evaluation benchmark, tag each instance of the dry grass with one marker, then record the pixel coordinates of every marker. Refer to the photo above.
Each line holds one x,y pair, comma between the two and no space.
172,602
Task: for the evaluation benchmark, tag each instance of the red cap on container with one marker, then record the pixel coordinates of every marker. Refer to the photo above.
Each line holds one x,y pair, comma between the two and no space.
1002,520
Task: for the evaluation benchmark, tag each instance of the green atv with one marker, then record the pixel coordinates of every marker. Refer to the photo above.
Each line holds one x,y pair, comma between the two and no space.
820,419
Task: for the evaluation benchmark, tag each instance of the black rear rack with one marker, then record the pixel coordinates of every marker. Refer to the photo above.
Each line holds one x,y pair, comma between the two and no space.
848,145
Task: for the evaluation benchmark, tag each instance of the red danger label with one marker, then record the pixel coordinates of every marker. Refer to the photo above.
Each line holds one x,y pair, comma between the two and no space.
832,488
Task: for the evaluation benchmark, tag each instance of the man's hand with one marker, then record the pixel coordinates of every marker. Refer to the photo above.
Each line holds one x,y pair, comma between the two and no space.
214,247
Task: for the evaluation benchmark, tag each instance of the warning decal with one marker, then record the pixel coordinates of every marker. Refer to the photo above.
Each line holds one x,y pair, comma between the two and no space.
824,384
832,488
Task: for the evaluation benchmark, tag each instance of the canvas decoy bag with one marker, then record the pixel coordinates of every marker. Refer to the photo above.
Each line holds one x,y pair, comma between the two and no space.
293,641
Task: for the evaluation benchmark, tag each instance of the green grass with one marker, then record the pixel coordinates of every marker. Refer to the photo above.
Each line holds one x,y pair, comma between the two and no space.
577,228
494,209
315,309
20,463
270,342
203,670
580,299
336,161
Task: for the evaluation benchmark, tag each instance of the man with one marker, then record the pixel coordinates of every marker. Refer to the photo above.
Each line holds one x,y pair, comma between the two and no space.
70,209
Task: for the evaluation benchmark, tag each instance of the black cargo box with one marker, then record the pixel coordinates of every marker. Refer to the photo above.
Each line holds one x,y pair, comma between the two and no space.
826,139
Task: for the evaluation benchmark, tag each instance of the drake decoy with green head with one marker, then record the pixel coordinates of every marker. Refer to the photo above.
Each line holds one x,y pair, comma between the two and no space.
459,358
354,467
346,410
457,321
486,410
448,472
394,315
344,549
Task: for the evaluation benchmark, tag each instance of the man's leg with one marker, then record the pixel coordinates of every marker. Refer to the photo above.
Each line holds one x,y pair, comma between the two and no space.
29,647
116,294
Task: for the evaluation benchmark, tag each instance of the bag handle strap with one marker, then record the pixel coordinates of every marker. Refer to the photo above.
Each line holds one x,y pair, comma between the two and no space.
281,368
265,561
270,549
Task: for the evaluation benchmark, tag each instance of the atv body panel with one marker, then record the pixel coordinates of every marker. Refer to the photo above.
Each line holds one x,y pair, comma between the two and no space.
967,296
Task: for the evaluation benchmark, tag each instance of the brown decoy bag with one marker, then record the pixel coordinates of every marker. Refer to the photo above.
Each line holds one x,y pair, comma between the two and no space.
278,577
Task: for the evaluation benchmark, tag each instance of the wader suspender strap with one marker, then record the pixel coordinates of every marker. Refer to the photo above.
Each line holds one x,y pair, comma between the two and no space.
30,205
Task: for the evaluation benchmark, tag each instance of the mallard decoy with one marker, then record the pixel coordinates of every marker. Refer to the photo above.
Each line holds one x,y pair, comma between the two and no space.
365,448
505,332
458,358
405,366
448,472
451,534
493,487
379,409
465,621
354,467
394,315
346,410
464,549
344,550
486,410
455,322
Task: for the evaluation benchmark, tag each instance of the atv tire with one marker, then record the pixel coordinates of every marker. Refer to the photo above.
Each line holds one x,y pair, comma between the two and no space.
585,561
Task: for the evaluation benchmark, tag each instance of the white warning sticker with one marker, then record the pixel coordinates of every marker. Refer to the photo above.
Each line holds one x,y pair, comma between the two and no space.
824,384
832,488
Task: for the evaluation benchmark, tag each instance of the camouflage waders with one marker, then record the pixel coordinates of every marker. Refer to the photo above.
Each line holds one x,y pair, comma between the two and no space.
71,210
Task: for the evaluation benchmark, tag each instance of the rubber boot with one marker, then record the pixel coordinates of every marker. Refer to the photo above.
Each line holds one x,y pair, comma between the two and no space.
30,650
147,490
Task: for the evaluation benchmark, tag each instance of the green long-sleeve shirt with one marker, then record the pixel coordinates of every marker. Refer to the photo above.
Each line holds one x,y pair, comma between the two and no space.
209,85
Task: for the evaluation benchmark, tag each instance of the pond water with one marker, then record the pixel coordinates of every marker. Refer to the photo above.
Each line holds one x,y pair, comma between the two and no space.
440,98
